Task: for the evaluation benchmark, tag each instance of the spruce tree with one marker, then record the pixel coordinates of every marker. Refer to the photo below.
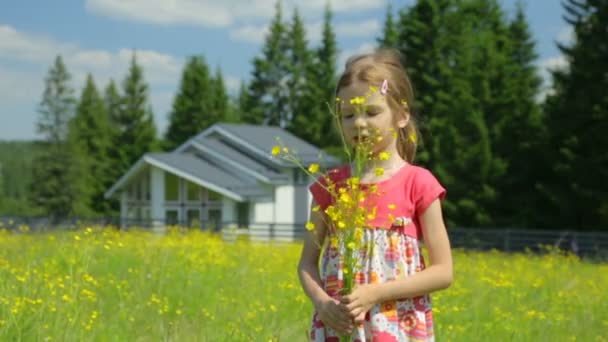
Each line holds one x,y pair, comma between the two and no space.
390,35
577,118
305,120
194,105
92,130
268,95
521,130
113,104
58,185
136,132
221,100
324,70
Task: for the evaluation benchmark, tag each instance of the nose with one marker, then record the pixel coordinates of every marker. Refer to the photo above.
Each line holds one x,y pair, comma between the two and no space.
360,121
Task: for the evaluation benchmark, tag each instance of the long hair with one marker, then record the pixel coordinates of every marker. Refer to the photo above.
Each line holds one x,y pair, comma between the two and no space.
374,68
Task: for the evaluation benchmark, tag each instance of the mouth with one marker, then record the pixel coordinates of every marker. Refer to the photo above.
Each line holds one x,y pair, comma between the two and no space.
360,139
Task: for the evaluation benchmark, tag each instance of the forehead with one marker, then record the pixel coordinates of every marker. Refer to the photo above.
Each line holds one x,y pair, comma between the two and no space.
360,89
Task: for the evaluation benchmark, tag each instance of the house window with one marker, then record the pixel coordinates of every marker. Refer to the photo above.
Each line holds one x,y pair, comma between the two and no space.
193,192
171,187
213,196
215,219
243,214
171,217
194,217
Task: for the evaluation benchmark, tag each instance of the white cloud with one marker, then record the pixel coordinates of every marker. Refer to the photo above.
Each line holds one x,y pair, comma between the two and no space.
546,66
346,54
566,35
212,13
255,34
159,68
20,46
21,86
553,63
18,86
358,28
233,84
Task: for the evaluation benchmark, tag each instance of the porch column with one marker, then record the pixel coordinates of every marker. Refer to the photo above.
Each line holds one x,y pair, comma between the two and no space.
157,198
228,211
123,209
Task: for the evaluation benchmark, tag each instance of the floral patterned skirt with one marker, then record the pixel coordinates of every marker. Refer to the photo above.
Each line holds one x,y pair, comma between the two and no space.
394,256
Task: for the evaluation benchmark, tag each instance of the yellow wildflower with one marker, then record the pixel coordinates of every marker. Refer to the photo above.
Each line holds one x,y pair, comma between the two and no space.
357,100
341,225
285,149
316,208
313,168
373,89
379,171
276,150
333,241
359,234
351,245
310,226
413,137
384,155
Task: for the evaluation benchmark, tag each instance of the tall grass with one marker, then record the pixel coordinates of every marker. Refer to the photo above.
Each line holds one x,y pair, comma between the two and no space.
104,285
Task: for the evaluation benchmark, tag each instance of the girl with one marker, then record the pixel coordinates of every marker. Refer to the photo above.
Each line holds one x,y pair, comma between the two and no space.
391,301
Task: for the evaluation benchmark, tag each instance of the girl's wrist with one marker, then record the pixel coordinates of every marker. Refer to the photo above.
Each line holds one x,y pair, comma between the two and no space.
319,300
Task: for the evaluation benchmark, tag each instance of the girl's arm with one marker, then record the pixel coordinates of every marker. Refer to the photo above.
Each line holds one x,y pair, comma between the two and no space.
328,309
437,276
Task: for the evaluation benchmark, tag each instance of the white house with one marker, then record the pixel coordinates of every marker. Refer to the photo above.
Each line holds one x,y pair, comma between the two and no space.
224,176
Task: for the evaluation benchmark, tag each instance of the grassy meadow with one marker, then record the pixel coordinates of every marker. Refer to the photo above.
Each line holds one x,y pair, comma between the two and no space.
105,285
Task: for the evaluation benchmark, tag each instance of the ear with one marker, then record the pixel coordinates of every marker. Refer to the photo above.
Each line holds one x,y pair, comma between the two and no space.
403,120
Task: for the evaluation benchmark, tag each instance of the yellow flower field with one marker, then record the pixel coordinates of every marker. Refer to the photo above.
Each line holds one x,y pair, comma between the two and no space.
105,285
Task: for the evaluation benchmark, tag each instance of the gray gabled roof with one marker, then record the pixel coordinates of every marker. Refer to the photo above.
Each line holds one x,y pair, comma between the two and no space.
263,138
203,170
240,157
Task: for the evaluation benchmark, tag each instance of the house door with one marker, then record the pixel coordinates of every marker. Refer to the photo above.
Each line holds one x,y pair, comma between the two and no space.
214,219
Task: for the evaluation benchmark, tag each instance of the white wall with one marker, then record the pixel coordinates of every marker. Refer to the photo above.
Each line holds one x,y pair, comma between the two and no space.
228,210
157,195
284,199
263,210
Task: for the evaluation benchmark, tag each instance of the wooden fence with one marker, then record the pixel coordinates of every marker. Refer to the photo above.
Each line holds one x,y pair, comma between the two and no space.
588,244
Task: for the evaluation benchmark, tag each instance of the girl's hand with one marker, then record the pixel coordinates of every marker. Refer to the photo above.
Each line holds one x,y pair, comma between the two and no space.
335,316
360,301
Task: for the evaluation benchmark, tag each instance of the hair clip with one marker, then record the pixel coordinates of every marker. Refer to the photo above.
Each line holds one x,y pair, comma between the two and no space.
384,87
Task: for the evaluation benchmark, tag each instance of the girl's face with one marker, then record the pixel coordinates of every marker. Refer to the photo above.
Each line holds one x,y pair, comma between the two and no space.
372,119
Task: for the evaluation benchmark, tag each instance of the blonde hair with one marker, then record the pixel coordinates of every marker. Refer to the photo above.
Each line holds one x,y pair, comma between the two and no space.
375,67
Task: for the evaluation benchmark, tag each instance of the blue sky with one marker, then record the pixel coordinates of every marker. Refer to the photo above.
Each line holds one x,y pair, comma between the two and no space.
98,37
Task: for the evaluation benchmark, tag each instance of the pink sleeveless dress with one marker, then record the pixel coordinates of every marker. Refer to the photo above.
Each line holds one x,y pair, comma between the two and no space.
395,254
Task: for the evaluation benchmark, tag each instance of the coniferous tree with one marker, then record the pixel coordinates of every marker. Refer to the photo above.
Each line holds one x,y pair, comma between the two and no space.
324,70
521,130
58,173
427,51
92,131
194,105
221,100
458,57
136,132
390,34
113,104
268,96
577,118
305,120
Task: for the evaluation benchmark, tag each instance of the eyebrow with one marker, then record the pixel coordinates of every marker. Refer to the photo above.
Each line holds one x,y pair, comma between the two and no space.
366,107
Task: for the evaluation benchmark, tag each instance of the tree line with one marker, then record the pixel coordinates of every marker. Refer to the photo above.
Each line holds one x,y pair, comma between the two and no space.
508,157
